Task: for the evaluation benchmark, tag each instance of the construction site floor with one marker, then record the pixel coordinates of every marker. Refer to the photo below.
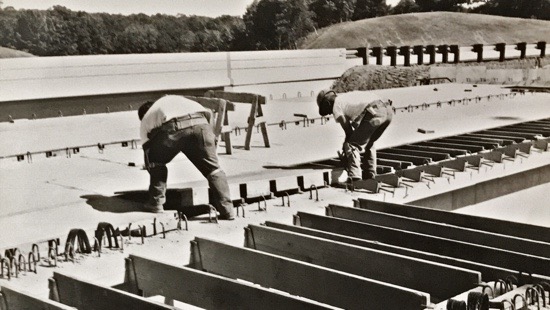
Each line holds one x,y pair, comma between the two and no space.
48,197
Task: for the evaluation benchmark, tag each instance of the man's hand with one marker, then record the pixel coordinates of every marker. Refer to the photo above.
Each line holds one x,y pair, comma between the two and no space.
343,158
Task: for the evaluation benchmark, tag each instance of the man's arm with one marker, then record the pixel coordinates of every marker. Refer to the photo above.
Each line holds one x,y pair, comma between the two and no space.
345,125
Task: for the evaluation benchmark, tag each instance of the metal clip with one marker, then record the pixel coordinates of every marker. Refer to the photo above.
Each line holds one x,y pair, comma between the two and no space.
163,230
316,192
283,199
52,253
265,204
241,206
8,267
97,246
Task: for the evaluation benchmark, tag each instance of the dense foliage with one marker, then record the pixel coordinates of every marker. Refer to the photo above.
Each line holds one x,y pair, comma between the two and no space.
59,31
267,24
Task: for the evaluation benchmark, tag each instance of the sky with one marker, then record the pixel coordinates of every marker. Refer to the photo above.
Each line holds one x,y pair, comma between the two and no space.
211,8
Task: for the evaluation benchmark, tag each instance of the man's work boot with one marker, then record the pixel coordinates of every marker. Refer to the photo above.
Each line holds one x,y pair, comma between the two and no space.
221,198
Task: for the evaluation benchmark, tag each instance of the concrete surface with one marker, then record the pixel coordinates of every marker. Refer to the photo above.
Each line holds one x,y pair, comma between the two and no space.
49,196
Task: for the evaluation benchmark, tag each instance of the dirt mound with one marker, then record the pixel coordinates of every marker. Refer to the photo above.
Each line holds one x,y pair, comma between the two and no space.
429,28
371,77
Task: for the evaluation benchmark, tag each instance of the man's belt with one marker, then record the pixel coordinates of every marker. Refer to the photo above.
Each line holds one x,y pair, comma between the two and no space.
184,121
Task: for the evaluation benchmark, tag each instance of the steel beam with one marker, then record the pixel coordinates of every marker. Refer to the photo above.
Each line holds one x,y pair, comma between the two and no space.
396,164
468,147
322,284
450,151
543,131
494,142
488,272
480,237
369,263
485,139
434,170
485,144
88,296
515,133
458,249
14,299
495,156
520,230
435,156
416,160
205,290
495,135
458,164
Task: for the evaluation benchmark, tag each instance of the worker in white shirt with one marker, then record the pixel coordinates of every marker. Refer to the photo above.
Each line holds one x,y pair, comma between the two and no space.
174,124
364,116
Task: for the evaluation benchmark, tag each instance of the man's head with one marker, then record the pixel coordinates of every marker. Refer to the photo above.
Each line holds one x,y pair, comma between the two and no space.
144,108
325,101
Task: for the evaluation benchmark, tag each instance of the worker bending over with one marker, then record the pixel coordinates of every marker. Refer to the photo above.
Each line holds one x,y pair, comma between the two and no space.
364,116
174,124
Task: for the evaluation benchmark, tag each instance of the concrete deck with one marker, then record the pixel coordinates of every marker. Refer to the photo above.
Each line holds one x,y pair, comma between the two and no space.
46,198
49,187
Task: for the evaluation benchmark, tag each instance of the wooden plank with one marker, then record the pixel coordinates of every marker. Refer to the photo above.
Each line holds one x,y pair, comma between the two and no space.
14,300
488,272
441,230
236,97
520,230
426,243
373,264
303,279
86,295
208,290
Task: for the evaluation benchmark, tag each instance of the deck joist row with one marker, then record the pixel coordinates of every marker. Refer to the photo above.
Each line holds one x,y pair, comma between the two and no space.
375,255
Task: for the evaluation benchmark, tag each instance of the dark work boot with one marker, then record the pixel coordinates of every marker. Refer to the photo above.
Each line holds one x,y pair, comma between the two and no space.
221,198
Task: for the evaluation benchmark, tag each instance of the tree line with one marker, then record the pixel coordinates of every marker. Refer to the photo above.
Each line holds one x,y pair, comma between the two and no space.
266,25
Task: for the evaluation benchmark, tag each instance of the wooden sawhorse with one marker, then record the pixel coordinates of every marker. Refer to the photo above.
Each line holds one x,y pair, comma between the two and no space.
256,115
220,122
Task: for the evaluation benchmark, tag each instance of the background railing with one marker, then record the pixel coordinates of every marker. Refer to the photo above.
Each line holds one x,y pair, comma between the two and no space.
432,54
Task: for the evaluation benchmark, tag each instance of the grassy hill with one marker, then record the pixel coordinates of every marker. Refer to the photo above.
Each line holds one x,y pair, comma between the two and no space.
11,53
429,28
